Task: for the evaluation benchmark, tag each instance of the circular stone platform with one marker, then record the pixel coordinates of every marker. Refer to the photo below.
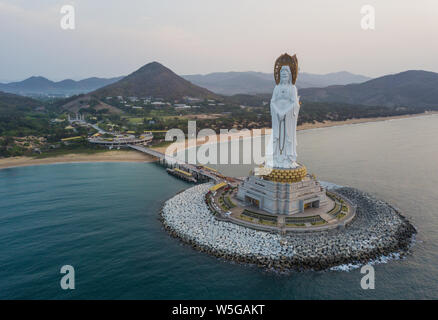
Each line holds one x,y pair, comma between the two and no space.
337,212
377,230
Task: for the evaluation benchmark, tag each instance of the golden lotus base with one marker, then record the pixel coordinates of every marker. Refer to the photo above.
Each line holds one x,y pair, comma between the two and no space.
283,175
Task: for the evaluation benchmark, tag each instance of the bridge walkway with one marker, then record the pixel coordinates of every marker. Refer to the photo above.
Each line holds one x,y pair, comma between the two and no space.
199,172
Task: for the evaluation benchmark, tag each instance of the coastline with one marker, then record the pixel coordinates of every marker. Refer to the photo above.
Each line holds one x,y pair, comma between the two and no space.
107,156
134,156
265,131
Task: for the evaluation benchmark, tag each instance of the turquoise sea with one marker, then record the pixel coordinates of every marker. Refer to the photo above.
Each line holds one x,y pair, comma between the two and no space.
102,218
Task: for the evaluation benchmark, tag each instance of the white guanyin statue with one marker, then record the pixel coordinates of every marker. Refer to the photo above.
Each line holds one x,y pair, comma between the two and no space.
282,147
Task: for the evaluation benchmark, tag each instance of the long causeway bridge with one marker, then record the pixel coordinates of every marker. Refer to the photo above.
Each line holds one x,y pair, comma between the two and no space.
199,173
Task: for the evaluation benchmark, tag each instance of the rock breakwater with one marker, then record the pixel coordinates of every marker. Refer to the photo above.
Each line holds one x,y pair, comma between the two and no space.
378,230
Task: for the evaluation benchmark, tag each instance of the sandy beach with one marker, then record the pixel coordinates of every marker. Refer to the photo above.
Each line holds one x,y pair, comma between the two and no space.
134,156
264,131
108,156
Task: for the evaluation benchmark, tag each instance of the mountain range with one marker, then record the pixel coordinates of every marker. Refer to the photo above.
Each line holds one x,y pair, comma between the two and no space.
44,86
224,83
414,88
230,83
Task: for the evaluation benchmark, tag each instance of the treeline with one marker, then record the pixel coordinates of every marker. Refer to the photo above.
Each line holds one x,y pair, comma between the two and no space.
20,117
14,117
16,123
9,100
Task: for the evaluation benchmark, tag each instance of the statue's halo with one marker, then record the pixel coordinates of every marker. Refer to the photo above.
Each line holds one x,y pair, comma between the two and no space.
286,60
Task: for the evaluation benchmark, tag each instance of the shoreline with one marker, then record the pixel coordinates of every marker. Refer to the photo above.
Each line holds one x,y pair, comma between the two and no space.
134,156
107,156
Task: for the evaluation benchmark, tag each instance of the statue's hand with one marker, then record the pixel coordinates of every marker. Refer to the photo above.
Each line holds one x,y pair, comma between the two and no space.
282,113
296,108
294,93
283,106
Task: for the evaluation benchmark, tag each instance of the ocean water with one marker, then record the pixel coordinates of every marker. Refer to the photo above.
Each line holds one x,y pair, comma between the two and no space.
102,218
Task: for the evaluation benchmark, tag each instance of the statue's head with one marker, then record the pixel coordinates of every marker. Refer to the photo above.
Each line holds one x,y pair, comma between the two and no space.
285,75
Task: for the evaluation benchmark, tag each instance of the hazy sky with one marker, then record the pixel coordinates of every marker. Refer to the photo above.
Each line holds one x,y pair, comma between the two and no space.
115,37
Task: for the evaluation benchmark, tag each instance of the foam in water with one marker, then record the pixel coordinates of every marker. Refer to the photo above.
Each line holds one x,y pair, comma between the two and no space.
383,259
352,266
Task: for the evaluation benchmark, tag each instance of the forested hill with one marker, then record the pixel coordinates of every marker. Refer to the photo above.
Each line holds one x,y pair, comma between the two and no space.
154,79
18,116
12,101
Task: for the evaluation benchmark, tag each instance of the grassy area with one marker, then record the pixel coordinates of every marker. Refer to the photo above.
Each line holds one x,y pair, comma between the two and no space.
266,222
242,217
340,216
134,120
318,223
223,205
295,225
229,202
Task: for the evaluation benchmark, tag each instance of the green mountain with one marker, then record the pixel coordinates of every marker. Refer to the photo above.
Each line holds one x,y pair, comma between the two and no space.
18,118
154,80
414,88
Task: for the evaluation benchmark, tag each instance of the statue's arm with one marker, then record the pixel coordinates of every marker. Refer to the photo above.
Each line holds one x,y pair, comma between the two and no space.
296,100
294,93
274,115
275,127
274,109
274,94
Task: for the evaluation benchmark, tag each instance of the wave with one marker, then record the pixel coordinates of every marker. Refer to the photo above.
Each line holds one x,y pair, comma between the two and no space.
381,260
352,266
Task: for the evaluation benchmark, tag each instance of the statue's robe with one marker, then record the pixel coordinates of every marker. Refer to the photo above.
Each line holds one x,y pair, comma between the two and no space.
282,147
